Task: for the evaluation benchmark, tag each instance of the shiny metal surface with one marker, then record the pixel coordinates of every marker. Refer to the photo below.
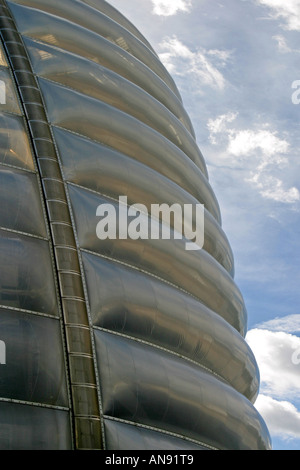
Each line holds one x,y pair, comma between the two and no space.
102,83
140,306
194,272
111,344
122,435
136,383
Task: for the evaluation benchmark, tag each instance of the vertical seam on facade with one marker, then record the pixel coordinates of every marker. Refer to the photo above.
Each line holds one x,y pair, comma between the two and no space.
85,290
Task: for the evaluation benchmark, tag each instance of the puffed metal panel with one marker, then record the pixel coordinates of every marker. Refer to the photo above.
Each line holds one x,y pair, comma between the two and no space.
101,122
103,84
14,143
100,171
49,428
3,60
27,279
35,366
58,32
195,272
21,209
93,20
10,103
123,436
108,10
129,302
150,387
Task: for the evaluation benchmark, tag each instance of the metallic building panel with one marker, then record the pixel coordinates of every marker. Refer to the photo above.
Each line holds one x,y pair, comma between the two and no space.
27,280
137,178
195,272
11,104
137,181
149,387
120,435
110,344
14,144
93,20
24,427
35,369
115,15
102,122
126,301
25,203
63,34
101,83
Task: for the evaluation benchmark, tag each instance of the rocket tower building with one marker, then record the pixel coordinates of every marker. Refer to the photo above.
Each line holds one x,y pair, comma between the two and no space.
115,343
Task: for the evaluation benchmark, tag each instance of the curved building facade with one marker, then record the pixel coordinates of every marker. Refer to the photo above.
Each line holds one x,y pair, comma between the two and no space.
115,343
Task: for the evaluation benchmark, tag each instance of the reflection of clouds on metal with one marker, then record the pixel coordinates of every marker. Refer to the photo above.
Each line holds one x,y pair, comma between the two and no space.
138,344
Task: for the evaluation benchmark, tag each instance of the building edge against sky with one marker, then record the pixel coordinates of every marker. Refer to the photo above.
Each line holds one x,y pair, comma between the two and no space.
110,344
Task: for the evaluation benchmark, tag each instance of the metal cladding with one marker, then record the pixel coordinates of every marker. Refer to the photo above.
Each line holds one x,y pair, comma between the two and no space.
116,343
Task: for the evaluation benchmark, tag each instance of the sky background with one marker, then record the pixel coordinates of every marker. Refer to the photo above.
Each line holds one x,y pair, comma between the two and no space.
235,63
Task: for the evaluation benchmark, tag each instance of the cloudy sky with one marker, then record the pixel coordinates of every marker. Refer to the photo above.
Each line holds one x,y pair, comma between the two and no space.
236,64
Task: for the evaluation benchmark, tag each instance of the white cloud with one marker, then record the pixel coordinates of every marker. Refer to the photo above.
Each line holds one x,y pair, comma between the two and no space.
245,141
282,417
199,64
288,10
288,324
170,7
260,152
220,55
271,154
219,125
275,349
272,188
275,355
282,45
